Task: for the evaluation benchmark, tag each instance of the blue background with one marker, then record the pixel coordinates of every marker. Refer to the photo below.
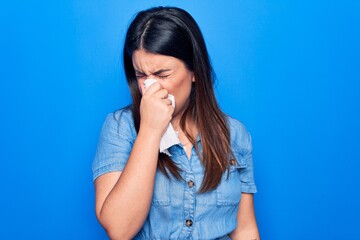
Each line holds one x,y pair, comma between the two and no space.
288,69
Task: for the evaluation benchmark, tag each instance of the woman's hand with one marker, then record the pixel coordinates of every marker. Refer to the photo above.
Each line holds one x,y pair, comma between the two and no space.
155,109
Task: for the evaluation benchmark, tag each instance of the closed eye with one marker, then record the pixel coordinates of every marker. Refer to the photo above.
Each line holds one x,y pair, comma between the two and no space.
162,73
163,76
140,76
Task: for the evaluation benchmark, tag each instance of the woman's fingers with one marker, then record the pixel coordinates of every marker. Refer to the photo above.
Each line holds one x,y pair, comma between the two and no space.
163,93
156,109
168,101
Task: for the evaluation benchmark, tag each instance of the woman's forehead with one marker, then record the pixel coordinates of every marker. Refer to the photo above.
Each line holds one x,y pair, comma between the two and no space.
147,61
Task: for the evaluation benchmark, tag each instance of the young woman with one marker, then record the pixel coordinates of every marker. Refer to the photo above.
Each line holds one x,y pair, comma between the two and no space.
200,188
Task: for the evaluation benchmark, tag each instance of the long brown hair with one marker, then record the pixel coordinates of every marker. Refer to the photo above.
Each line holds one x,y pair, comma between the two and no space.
172,31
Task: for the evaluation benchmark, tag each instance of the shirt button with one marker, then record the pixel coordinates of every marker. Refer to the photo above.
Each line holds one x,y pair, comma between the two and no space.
233,162
190,183
188,223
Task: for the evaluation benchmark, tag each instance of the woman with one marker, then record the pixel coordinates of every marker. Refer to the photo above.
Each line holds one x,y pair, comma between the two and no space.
200,188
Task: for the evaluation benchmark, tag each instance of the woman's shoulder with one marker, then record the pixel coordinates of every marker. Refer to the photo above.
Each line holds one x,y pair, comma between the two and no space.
115,142
236,126
120,117
239,135
120,120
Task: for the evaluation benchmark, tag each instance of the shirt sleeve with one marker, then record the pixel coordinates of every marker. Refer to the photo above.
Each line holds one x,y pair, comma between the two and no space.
241,144
115,143
247,173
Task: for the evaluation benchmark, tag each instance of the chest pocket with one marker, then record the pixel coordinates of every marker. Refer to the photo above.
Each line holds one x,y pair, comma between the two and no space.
161,195
229,190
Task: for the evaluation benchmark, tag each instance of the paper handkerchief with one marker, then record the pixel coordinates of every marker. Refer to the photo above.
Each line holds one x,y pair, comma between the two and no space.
170,137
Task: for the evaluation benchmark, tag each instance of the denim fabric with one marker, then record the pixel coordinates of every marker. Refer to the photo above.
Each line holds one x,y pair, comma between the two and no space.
175,202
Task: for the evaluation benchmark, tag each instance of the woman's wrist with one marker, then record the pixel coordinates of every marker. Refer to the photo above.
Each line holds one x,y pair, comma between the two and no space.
150,135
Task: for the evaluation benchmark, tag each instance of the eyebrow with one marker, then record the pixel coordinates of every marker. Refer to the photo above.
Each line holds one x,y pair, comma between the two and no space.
161,71
155,73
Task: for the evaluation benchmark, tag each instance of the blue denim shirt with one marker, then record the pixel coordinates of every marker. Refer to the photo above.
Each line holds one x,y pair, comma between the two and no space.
178,211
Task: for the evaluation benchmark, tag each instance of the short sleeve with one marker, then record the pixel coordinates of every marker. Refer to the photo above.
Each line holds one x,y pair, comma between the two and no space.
247,174
241,143
115,143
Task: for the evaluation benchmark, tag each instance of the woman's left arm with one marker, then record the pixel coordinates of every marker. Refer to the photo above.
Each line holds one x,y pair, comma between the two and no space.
246,228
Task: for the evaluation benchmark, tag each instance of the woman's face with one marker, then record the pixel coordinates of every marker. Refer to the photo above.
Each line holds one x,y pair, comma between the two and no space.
170,72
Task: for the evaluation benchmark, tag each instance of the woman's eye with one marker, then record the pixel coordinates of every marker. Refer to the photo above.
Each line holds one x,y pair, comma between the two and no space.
165,76
140,76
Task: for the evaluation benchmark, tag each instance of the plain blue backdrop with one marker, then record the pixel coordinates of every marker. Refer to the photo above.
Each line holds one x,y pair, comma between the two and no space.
289,70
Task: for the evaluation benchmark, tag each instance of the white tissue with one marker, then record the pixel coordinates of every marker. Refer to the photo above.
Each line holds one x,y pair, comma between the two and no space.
170,137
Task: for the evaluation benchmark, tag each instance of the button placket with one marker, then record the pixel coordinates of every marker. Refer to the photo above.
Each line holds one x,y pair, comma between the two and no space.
189,205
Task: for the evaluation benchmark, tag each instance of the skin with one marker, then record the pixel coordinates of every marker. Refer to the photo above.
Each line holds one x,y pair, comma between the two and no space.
247,228
172,75
116,191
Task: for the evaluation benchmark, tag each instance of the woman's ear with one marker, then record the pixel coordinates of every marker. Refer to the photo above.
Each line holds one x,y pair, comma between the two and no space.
193,78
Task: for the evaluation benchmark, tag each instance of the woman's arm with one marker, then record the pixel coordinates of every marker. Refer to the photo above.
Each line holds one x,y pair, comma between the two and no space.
246,228
123,199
